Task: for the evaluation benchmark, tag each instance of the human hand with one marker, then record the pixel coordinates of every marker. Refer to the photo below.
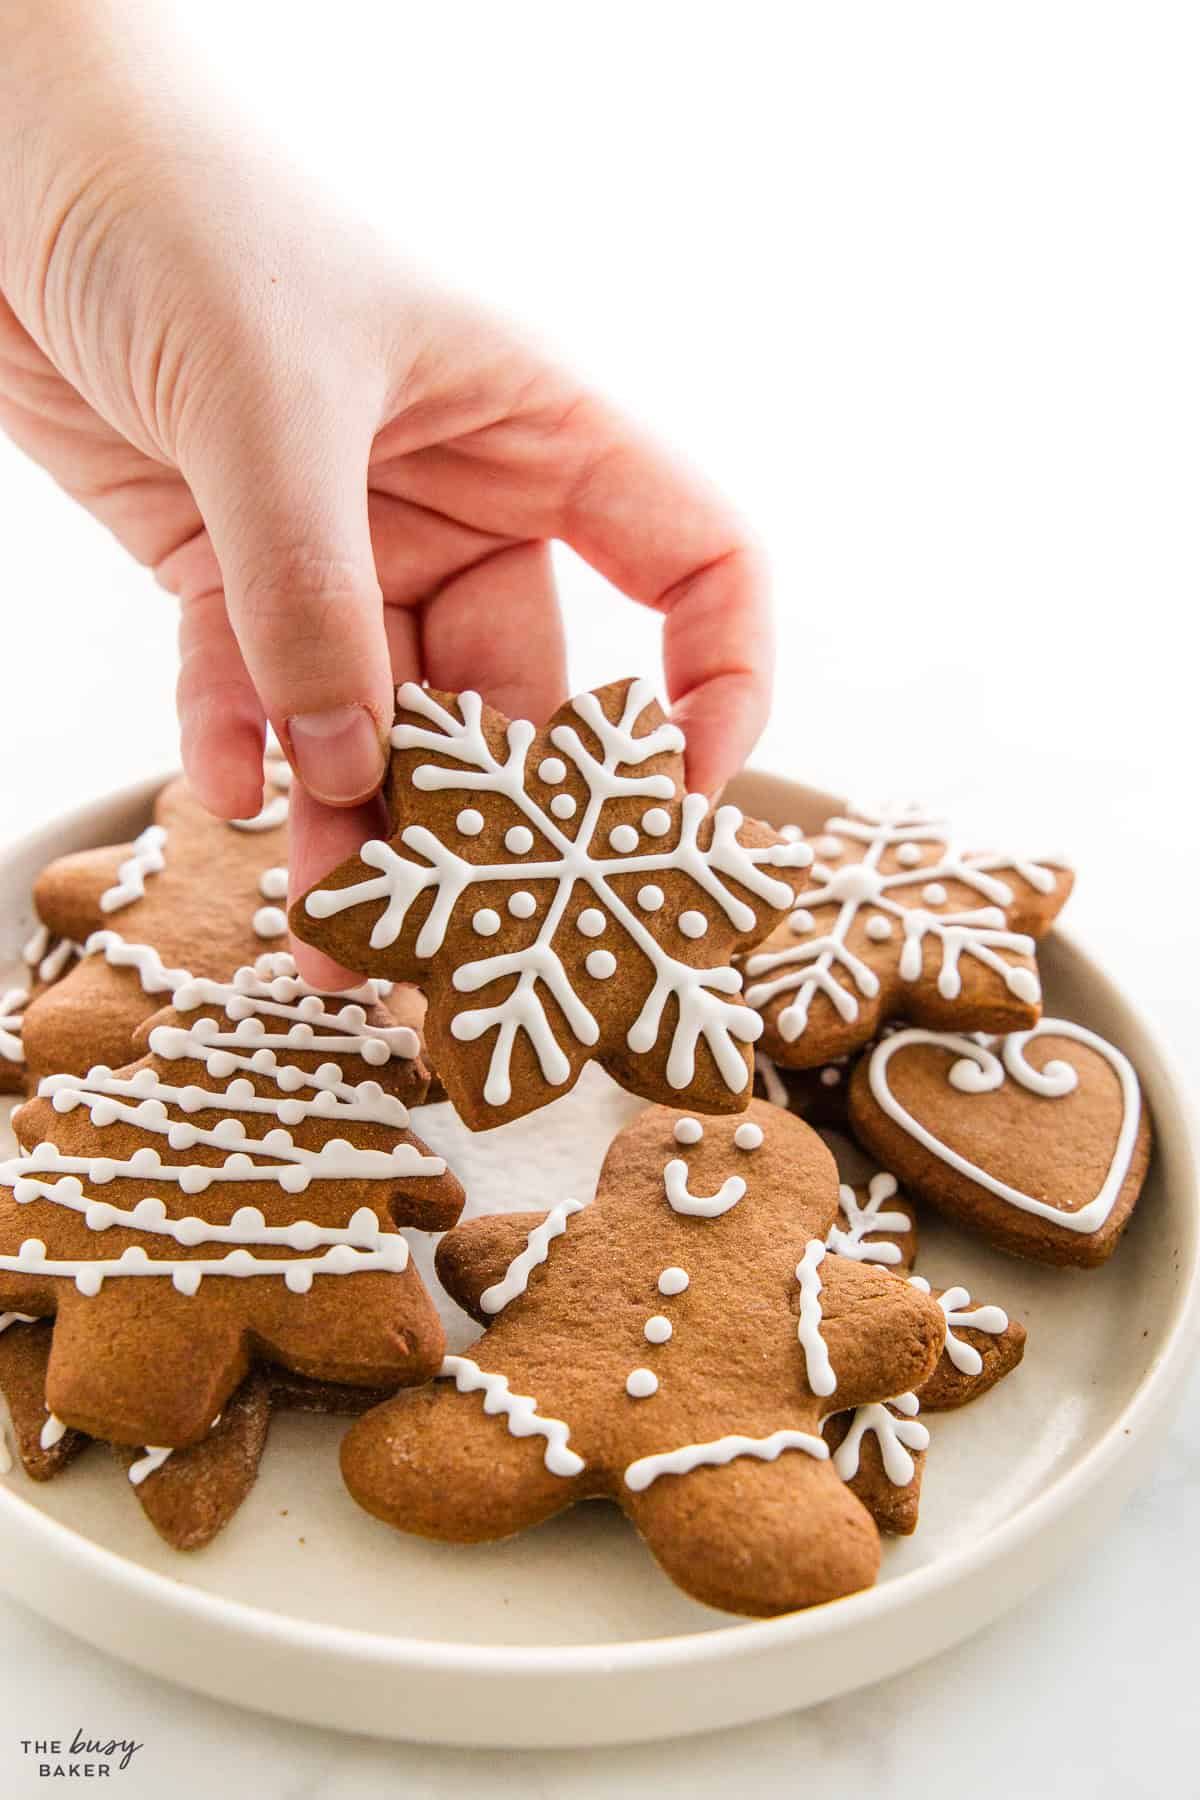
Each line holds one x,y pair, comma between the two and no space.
347,477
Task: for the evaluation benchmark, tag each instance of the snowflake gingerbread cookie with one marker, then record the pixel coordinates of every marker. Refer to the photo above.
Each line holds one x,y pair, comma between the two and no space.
673,1347
879,1449
561,900
899,921
1038,1141
238,1189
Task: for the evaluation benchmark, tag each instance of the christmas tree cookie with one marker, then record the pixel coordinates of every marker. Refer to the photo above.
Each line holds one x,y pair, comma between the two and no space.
236,1191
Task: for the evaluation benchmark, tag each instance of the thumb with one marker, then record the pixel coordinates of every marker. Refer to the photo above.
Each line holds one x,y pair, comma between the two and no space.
281,483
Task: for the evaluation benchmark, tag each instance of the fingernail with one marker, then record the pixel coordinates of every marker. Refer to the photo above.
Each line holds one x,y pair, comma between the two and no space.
338,754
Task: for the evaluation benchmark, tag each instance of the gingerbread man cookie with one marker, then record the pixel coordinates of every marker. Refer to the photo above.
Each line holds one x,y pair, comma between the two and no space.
1038,1141
898,921
285,1110
673,1347
561,900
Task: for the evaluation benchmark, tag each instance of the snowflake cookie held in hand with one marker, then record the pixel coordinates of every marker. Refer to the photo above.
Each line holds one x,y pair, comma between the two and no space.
561,900
674,1348
898,921
235,1192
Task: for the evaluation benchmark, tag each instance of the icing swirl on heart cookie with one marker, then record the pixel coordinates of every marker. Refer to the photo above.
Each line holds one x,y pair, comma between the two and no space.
978,1070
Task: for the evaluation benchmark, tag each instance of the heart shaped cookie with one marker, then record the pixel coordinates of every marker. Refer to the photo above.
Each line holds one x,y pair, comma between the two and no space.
1039,1141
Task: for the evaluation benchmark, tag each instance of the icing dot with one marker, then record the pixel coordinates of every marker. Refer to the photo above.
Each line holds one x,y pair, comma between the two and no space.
934,894
486,922
1024,984
563,806
518,839
591,921
673,1280
272,884
828,846
909,855
748,1136
830,1077
641,1383
552,769
270,922
522,904
469,822
879,928
658,1329
657,821
601,964
650,898
688,1131
623,839
693,924
801,921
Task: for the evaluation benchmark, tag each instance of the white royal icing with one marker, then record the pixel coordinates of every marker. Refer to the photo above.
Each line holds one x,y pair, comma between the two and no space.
12,1018
52,1432
673,1281
953,1302
47,957
748,1136
897,1436
819,1369
699,1206
772,1080
153,1459
707,1005
7,1319
863,1221
151,971
520,1412
270,994
657,1329
276,774
979,1070
807,969
640,1474
147,858
537,1248
641,1383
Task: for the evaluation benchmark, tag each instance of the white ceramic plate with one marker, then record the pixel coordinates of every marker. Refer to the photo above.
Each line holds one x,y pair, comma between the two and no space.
569,1635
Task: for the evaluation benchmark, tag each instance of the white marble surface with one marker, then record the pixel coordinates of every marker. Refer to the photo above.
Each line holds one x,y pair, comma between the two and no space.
914,284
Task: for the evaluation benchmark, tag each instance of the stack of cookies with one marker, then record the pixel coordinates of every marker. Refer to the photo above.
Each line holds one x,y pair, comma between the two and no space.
729,1342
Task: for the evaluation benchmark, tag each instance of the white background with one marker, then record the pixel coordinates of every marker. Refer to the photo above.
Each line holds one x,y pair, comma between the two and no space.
919,285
